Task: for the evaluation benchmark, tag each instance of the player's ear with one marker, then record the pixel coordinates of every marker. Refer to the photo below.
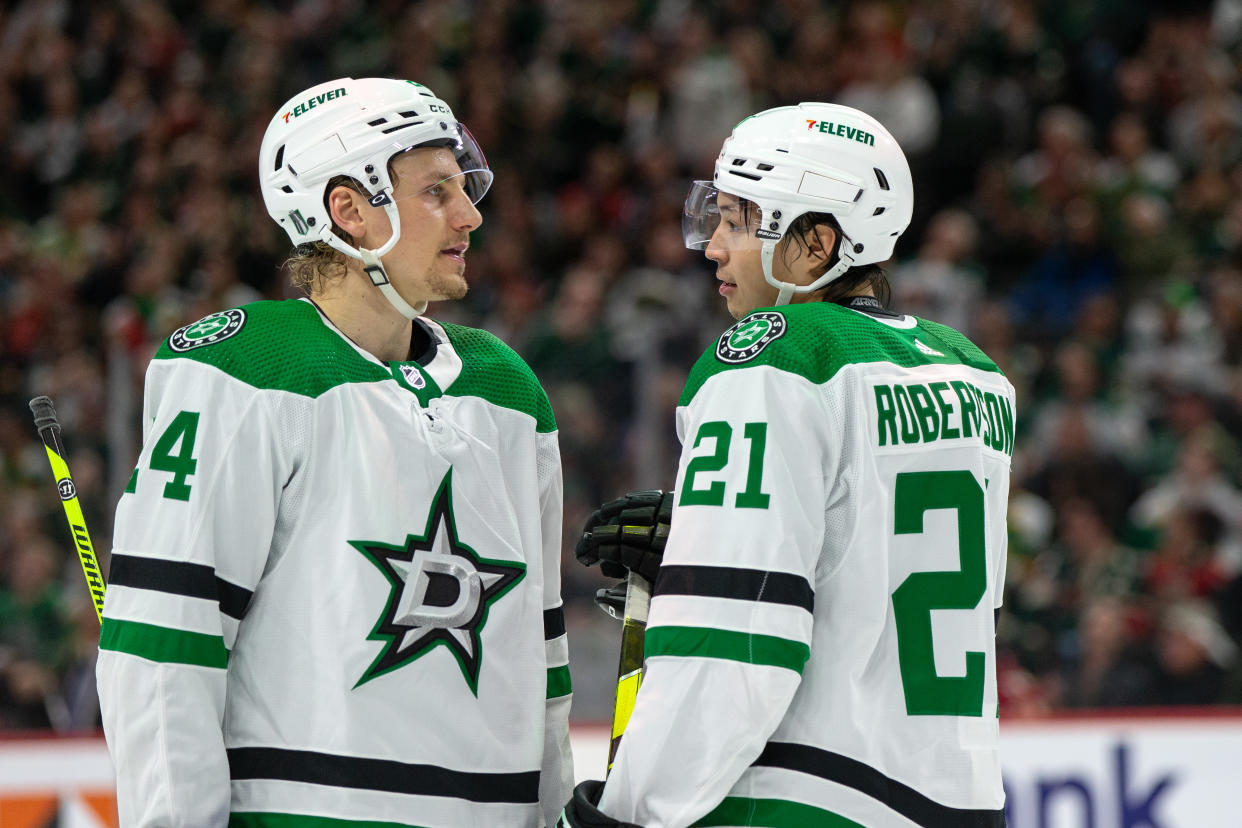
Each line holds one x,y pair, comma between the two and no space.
345,207
821,241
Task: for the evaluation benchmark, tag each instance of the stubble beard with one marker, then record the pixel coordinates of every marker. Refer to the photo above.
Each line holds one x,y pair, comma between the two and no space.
448,286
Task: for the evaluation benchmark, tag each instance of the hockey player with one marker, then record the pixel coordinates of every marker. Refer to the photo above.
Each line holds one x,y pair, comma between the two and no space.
335,582
820,649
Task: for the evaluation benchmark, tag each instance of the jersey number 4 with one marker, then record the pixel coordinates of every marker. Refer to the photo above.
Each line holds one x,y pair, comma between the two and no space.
179,437
929,694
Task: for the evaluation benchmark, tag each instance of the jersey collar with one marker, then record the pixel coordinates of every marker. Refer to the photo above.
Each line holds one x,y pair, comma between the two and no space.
436,355
870,306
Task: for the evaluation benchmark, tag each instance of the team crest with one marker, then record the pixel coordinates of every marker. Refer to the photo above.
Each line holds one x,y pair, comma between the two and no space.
749,336
207,331
439,594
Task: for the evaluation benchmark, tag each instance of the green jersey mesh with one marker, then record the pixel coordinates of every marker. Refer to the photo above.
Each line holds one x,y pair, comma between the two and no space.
967,352
492,370
822,337
284,346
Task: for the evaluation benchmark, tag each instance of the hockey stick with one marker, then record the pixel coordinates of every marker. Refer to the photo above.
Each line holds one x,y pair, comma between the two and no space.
49,430
630,666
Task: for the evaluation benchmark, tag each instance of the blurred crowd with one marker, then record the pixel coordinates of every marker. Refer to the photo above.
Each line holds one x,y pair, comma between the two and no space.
1078,213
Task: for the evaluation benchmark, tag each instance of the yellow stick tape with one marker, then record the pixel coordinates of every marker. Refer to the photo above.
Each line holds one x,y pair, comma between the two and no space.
627,691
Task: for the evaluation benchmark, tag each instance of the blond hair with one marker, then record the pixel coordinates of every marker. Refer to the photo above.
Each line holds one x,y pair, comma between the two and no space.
311,264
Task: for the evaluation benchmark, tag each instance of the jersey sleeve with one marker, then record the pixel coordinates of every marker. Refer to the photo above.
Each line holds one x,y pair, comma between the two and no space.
191,540
557,775
998,511
731,619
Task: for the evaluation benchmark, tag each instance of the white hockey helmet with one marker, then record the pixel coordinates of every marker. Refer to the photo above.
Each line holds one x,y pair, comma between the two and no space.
810,158
353,127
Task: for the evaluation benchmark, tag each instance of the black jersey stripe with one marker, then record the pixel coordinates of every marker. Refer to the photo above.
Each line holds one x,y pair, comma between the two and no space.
553,623
179,578
730,582
381,775
867,780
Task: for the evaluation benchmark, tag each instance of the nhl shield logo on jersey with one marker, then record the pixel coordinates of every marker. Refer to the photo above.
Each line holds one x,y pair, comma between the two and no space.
439,593
749,336
207,331
413,377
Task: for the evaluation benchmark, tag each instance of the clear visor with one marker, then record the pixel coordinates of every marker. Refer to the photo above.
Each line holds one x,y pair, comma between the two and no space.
707,209
471,175
701,215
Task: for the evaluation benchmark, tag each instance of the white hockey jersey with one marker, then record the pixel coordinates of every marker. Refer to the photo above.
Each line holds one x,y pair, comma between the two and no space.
820,645
334,593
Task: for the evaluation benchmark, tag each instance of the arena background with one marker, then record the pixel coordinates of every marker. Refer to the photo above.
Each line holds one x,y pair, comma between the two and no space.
1078,213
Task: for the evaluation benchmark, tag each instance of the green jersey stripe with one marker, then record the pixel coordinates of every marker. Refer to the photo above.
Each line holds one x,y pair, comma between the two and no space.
773,813
703,642
255,819
162,644
558,682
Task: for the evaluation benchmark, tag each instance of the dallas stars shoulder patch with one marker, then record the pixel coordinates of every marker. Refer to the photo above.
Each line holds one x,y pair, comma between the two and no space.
749,336
207,331
440,591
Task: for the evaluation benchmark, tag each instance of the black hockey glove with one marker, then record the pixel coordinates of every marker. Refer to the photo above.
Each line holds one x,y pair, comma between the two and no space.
581,811
628,533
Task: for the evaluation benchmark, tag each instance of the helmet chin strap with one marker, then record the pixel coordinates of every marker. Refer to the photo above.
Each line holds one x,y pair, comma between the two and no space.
786,290
370,259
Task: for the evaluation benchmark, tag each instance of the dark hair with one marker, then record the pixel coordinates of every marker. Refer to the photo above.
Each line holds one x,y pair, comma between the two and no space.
854,281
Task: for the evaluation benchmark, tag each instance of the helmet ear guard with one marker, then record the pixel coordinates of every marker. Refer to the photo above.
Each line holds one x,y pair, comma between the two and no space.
354,127
814,158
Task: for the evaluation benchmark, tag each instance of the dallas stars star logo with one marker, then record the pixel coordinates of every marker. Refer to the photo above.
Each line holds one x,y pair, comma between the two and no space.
749,336
440,591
